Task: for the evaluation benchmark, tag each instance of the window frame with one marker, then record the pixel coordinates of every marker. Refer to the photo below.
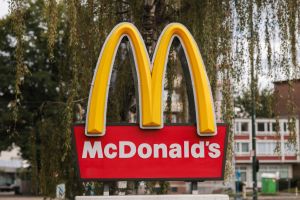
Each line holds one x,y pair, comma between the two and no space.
238,147
268,151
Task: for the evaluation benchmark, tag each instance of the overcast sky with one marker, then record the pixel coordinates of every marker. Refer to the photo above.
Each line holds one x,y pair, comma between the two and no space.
3,8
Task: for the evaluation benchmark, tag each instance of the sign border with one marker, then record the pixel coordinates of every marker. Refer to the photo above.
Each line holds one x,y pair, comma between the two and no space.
74,151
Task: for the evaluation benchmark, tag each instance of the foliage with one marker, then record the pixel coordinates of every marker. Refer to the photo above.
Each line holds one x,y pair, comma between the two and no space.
58,43
264,103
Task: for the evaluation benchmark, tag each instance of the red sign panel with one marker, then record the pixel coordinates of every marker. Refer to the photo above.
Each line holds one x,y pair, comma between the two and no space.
171,153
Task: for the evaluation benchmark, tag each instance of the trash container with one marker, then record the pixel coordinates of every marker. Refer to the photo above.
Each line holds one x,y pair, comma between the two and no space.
268,183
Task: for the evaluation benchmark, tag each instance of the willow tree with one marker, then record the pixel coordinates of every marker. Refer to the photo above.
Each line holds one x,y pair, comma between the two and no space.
267,39
233,36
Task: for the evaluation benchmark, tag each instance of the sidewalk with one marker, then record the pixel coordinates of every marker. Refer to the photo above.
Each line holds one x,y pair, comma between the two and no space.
279,196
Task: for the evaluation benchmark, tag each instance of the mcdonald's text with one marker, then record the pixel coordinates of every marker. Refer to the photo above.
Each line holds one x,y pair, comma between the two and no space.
127,149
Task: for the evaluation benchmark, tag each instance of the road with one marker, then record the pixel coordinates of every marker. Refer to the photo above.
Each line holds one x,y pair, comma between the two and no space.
11,196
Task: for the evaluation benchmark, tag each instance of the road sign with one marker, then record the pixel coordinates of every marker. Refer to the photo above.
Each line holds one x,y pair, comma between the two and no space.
60,191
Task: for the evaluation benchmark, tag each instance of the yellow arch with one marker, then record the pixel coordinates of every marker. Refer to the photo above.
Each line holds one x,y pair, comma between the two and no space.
150,87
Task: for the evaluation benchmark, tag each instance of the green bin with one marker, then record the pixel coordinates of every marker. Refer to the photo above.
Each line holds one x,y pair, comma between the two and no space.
269,184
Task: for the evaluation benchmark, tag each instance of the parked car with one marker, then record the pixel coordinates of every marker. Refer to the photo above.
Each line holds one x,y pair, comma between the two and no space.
9,183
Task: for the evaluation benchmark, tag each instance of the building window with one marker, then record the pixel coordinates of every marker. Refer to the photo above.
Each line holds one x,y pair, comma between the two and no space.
285,127
289,149
241,128
242,147
266,148
244,127
245,147
281,170
6,178
237,147
261,126
174,189
237,127
243,176
242,172
268,127
284,172
275,127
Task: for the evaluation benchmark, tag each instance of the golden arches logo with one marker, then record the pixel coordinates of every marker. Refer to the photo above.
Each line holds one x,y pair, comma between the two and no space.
150,85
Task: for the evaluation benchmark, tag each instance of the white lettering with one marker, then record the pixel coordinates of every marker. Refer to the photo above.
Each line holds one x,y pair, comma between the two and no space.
197,150
214,149
148,149
128,149
163,148
107,152
90,150
122,147
175,151
186,149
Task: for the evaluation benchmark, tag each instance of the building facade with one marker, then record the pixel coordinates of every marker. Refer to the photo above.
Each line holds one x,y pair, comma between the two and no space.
11,167
287,94
274,150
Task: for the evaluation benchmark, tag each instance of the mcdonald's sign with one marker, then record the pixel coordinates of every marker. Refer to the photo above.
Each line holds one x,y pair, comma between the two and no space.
150,150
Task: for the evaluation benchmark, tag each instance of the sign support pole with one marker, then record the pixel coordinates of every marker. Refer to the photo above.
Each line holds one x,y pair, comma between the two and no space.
106,189
194,187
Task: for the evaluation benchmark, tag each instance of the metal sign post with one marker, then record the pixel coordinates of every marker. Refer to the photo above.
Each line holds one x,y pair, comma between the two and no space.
106,189
194,187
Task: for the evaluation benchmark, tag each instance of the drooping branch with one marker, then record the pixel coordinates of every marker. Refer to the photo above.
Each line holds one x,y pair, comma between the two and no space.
52,20
17,12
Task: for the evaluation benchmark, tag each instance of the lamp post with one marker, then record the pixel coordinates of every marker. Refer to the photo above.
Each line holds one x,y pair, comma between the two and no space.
253,118
253,113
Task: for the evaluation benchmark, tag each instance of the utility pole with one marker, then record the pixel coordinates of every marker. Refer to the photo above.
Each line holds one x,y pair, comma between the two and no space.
253,113
253,118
